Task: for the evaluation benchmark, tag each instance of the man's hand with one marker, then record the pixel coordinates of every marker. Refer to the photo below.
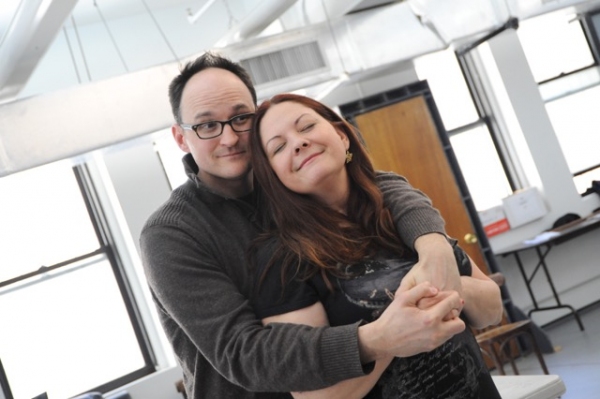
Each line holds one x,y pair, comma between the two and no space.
436,264
405,330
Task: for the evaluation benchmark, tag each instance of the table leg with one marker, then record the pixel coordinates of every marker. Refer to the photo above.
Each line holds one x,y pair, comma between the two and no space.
542,264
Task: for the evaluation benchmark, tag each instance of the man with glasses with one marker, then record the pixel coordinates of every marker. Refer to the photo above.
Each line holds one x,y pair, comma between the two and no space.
194,251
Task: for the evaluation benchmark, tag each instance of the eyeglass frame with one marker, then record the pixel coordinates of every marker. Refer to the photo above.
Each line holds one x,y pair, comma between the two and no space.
222,123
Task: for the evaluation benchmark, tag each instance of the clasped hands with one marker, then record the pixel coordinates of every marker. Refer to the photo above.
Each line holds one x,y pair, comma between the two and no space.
424,311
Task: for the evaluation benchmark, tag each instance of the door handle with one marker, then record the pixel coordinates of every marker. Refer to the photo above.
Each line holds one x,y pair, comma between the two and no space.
470,238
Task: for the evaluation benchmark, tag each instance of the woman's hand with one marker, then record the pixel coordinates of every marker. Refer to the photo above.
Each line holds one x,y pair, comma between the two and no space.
437,265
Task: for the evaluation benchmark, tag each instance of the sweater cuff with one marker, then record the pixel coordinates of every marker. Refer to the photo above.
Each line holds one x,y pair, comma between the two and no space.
341,355
421,222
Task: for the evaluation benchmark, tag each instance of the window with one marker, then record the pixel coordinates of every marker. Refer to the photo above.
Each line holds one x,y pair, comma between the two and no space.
554,45
68,323
575,120
561,60
170,155
480,166
470,136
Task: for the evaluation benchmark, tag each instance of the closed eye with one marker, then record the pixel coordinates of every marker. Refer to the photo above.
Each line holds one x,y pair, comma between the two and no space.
278,148
308,127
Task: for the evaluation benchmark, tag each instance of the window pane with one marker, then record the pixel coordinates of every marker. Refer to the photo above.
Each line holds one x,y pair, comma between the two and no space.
448,86
481,167
583,182
554,44
170,155
66,332
575,119
43,220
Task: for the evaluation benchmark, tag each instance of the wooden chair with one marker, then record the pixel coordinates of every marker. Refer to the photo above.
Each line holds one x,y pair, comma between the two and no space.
180,388
496,341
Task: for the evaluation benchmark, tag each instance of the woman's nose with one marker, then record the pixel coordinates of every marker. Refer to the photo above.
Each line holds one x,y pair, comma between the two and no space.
300,144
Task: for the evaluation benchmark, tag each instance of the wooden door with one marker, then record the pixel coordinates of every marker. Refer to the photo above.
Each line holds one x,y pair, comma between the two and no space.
403,138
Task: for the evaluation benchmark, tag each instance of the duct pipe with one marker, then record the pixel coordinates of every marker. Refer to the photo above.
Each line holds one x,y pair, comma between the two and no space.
31,32
256,21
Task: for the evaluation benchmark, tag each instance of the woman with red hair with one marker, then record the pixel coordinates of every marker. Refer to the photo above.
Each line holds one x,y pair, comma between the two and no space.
332,255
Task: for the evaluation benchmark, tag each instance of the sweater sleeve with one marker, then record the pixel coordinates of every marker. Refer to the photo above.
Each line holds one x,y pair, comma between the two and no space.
212,325
411,209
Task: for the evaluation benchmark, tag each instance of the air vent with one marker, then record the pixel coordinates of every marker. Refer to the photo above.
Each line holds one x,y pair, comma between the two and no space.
291,61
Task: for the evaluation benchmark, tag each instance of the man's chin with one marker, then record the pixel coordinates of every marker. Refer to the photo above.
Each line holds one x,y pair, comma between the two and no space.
241,173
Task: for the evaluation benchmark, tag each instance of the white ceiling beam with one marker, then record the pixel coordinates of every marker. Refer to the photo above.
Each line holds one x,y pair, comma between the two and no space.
32,31
71,122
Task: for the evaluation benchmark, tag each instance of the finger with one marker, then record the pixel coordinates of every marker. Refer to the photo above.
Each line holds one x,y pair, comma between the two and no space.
428,302
418,292
454,313
453,326
446,305
448,329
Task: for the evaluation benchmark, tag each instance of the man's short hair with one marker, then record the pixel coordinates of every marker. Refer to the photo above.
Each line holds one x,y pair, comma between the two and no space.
206,60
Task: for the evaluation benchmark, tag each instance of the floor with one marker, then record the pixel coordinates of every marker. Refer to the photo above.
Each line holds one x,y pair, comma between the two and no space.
577,358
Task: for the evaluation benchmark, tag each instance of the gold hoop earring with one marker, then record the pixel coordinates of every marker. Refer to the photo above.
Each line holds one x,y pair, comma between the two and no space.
348,156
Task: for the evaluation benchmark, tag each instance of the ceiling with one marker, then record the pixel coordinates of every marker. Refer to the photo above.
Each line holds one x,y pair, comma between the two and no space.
28,27
64,60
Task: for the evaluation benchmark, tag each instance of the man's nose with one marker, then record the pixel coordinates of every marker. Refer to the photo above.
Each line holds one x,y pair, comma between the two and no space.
229,137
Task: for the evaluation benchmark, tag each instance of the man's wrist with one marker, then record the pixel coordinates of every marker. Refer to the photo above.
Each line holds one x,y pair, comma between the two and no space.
367,343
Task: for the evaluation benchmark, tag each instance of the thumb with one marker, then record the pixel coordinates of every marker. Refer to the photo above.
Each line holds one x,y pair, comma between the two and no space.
413,295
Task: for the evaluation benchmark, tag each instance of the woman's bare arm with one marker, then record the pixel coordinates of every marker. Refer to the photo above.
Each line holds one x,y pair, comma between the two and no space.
483,302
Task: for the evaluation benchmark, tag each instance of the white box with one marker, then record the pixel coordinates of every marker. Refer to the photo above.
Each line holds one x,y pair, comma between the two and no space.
524,206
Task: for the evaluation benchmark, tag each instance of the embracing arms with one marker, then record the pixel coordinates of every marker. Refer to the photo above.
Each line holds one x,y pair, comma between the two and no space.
415,330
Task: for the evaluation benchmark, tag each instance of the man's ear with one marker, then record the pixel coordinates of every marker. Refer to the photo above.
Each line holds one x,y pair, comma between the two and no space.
177,132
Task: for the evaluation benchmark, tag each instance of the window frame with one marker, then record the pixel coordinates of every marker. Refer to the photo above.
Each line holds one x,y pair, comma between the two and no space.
107,245
593,41
486,115
108,250
483,105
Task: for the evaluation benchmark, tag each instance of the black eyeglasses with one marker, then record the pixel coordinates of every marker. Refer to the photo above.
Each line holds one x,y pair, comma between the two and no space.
207,130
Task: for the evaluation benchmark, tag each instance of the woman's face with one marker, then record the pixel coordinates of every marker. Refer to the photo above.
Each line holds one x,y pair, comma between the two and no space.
305,150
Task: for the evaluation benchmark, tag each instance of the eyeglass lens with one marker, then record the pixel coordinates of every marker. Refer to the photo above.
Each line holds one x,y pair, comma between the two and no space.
239,123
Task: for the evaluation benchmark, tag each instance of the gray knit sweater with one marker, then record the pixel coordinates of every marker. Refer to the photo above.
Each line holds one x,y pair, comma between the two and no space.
194,251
